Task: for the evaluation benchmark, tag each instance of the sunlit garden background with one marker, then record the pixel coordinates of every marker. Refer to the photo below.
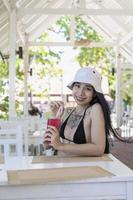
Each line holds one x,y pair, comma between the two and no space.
51,68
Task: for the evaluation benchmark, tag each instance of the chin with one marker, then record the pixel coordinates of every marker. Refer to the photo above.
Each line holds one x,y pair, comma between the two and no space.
82,103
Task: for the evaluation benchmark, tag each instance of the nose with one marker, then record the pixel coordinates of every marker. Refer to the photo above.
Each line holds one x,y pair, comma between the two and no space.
81,91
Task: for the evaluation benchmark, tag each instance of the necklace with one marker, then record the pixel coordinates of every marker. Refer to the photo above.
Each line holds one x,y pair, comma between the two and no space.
80,111
73,123
74,120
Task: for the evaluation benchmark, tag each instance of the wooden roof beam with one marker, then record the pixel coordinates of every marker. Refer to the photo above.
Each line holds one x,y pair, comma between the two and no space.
74,11
126,38
7,5
81,43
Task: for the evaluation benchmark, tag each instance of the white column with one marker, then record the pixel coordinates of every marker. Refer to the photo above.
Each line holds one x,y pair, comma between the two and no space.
73,25
118,89
26,68
12,62
72,30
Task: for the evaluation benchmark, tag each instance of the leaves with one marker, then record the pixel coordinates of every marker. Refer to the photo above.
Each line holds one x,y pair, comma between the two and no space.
45,62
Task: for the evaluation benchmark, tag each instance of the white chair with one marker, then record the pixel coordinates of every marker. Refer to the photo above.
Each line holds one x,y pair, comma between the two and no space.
13,124
33,129
12,137
36,131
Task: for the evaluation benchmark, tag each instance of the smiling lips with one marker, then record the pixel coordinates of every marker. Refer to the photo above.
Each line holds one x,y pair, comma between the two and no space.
80,98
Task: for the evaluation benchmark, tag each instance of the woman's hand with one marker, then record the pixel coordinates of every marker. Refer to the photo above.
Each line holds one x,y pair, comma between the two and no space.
52,137
57,108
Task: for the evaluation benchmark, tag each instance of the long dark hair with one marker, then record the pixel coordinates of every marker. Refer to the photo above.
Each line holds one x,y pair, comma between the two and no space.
99,98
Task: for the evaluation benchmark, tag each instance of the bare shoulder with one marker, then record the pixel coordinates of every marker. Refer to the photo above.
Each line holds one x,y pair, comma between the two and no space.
97,112
95,108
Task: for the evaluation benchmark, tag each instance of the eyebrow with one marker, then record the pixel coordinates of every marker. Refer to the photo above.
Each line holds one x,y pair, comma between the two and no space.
86,84
89,85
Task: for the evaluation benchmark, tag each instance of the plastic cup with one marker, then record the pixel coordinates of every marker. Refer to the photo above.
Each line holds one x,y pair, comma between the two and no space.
54,122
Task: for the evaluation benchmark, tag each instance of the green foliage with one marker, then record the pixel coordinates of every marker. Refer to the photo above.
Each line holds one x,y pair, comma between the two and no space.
4,107
48,60
127,96
4,71
19,69
43,37
4,87
90,56
84,31
98,57
62,27
45,64
45,61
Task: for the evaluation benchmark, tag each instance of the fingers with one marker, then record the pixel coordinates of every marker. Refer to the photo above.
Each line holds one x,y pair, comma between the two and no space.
57,108
60,112
56,104
52,137
50,132
51,129
47,139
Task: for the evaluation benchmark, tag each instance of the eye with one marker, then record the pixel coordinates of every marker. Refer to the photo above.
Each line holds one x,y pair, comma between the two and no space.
89,88
77,85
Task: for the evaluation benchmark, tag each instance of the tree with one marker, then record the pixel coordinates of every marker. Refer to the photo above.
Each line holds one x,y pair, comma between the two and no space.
102,58
4,72
98,57
44,61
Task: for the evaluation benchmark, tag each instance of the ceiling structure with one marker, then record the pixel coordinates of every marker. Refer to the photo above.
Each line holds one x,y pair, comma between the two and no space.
113,19
23,21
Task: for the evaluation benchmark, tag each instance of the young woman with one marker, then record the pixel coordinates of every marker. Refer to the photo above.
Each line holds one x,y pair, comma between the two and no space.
84,132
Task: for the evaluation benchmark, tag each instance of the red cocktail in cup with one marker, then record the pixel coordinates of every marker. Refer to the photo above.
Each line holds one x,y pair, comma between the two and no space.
53,122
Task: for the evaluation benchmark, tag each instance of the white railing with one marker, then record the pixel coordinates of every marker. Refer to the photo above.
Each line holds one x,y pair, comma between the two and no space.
33,132
11,137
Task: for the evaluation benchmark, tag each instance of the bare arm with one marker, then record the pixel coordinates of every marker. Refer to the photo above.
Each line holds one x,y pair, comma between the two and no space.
97,128
57,108
96,146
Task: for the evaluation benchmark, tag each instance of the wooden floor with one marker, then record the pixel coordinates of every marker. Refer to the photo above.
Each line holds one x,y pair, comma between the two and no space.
124,152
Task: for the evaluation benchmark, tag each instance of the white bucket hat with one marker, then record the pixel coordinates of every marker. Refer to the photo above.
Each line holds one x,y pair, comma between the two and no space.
89,76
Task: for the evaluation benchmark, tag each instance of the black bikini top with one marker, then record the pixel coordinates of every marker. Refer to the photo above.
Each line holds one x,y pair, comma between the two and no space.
79,136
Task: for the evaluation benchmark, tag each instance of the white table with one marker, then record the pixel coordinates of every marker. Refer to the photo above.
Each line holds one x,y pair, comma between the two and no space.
117,187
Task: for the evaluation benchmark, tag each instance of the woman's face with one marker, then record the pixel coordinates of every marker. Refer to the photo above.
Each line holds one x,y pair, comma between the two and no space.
82,93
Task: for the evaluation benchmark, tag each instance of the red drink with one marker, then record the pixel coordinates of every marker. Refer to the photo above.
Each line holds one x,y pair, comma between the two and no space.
54,122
